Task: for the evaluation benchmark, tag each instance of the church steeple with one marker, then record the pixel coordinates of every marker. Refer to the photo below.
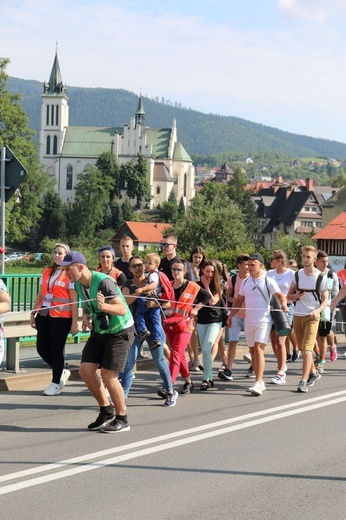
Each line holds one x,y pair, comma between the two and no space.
140,114
55,84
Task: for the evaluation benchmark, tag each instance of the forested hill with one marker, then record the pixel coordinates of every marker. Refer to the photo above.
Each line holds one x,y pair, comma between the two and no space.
200,133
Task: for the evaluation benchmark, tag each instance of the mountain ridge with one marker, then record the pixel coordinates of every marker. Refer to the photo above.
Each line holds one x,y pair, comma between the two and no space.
200,133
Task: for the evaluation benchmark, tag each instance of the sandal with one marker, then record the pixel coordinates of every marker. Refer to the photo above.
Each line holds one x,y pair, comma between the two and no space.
206,384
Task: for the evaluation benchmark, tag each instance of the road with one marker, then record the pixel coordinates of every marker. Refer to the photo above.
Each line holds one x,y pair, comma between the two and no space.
219,454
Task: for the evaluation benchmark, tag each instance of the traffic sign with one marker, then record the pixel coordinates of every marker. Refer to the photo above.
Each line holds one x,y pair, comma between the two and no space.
15,173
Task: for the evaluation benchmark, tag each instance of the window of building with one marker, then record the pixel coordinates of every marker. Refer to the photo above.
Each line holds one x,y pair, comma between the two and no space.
55,145
57,115
47,115
158,190
185,184
48,145
69,177
52,116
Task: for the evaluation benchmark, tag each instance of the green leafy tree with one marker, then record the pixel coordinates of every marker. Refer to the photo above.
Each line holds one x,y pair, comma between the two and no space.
137,183
169,211
108,165
91,199
181,208
126,209
172,196
53,223
24,209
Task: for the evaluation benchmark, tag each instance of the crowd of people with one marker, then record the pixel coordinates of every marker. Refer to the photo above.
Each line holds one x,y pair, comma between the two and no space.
181,308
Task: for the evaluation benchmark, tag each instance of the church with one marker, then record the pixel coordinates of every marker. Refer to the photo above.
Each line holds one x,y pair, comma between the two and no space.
66,150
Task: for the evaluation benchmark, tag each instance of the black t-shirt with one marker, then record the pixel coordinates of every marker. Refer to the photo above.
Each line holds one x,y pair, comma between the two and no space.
123,266
210,314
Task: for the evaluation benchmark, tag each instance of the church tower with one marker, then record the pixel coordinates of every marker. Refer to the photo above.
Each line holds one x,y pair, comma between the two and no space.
54,118
140,114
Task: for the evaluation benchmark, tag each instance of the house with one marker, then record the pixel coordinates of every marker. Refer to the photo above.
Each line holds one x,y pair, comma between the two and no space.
333,206
223,174
66,150
332,240
290,207
144,234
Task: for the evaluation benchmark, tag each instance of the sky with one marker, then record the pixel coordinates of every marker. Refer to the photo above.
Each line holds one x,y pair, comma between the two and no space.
276,62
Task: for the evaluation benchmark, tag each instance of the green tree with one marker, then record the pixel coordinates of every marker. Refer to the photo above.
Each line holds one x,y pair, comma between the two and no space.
172,196
108,165
181,208
137,183
53,222
91,199
169,211
24,209
126,209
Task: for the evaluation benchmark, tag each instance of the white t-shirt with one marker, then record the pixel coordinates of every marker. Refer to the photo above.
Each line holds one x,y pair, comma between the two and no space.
283,280
309,302
154,276
257,305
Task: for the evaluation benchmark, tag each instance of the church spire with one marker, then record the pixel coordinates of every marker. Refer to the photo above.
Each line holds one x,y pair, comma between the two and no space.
140,114
55,84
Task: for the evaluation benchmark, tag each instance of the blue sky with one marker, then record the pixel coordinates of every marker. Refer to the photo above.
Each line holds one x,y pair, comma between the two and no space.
275,62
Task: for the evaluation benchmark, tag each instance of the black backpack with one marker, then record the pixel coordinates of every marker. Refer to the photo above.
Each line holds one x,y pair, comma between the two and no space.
316,291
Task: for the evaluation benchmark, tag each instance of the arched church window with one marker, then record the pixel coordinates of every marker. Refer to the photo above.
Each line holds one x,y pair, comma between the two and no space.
48,145
52,115
185,184
69,177
55,145
158,190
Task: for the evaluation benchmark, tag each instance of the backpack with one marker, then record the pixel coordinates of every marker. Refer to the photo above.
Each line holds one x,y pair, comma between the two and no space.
233,281
167,287
316,291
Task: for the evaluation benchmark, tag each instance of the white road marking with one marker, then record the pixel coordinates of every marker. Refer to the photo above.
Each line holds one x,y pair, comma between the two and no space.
250,420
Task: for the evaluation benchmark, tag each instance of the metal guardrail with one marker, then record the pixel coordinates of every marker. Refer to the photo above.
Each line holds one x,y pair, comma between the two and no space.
23,289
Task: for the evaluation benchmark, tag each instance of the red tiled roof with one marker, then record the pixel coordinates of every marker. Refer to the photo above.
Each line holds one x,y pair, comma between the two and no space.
146,231
335,230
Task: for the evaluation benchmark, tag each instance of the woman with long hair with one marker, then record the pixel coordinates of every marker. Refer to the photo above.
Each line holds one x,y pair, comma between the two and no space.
284,277
196,260
209,318
55,314
138,280
189,297
106,256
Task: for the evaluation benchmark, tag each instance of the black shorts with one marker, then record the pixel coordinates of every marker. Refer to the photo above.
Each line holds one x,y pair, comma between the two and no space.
324,328
110,351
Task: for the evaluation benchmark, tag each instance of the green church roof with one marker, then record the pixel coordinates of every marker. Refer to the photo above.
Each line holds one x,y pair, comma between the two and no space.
180,154
88,141
159,138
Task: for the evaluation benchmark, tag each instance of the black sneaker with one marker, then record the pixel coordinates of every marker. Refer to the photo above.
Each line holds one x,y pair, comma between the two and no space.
187,388
101,421
142,336
225,374
288,358
161,392
154,345
313,378
117,425
295,355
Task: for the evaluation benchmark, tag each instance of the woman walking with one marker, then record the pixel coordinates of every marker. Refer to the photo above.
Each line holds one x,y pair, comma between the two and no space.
106,256
54,318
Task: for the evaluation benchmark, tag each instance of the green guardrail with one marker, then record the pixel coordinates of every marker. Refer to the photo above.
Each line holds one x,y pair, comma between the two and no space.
23,289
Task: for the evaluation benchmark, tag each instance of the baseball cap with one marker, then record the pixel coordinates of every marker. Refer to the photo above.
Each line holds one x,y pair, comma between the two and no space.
253,256
73,257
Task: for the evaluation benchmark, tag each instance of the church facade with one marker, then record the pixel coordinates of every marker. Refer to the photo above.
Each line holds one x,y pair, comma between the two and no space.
66,150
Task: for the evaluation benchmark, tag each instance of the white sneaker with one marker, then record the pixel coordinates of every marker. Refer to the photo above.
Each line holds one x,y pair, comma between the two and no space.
64,377
52,389
279,379
257,388
247,357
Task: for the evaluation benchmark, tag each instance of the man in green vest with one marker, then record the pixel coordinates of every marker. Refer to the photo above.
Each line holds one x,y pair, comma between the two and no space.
107,315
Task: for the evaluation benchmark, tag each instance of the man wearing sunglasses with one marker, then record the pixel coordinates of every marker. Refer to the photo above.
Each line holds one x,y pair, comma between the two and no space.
169,247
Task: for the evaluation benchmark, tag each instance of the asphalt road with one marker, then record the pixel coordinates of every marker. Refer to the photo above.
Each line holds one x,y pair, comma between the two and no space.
219,454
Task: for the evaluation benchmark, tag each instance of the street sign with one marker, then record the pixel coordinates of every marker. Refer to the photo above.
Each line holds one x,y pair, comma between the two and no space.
15,173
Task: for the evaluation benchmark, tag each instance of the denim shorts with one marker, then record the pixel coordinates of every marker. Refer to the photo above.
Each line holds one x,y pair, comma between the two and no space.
237,327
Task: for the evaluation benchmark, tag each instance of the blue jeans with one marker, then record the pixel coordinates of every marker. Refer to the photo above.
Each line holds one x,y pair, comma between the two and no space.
154,322
159,360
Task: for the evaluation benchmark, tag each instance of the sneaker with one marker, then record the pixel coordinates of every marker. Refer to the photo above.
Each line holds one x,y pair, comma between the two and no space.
313,378
250,374
102,420
279,379
247,358
53,389
225,374
154,345
288,358
142,336
295,355
187,388
257,388
320,366
333,354
64,377
302,387
161,392
171,399
117,425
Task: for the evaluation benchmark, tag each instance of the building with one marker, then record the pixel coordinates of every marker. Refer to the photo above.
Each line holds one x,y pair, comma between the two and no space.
332,240
144,234
66,150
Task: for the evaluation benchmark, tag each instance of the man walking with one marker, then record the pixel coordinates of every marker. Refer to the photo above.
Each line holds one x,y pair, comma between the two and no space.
107,315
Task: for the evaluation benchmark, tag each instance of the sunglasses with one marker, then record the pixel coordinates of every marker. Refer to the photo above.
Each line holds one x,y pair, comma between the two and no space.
166,244
177,269
135,266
